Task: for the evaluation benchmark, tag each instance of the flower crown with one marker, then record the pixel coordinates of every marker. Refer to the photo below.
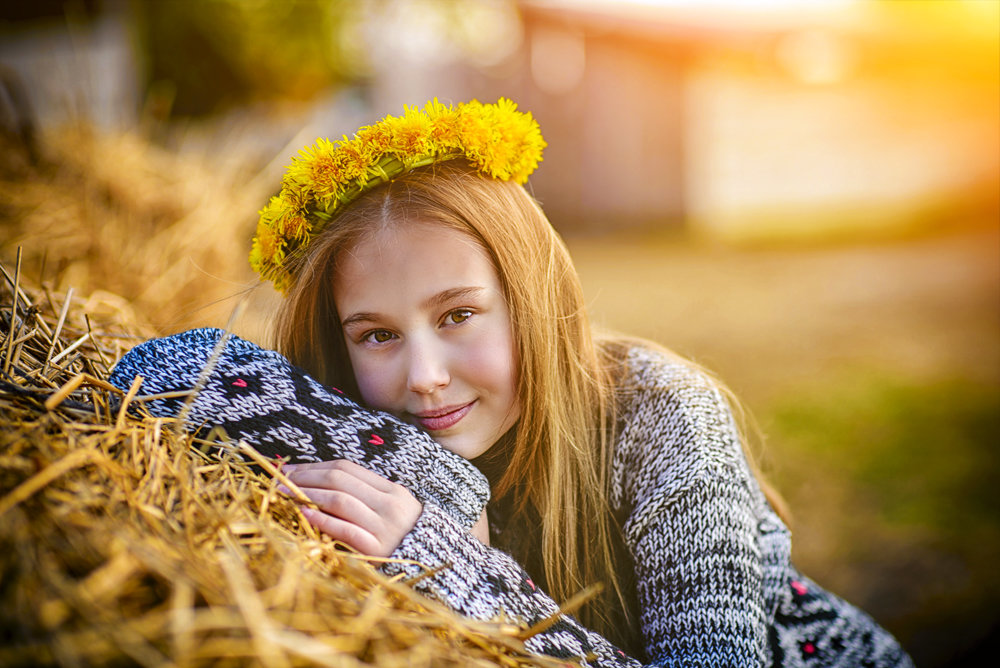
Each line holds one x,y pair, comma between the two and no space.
498,140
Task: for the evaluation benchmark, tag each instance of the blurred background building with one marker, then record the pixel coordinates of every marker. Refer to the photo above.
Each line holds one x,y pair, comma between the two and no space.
737,120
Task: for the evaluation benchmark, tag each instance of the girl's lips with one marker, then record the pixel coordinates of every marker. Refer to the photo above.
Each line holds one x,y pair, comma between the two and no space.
443,419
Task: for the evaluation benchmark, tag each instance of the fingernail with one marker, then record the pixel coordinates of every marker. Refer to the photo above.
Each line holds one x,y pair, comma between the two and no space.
288,468
284,490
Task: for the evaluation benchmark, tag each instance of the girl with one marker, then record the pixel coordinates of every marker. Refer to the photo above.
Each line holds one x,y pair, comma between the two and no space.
423,281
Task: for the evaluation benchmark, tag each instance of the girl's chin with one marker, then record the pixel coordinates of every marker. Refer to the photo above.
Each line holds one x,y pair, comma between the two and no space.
463,447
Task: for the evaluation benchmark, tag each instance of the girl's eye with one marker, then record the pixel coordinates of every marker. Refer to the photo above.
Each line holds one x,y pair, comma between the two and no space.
379,336
458,316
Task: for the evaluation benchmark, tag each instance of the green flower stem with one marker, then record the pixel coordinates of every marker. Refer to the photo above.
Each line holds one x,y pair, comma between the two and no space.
384,170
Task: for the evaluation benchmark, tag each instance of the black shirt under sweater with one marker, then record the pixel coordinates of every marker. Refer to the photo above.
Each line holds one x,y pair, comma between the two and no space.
521,537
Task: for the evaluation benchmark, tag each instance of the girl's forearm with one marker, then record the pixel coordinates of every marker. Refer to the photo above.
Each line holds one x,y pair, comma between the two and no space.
487,584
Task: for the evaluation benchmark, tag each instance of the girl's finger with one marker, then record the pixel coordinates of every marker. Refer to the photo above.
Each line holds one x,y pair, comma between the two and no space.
337,473
346,532
345,505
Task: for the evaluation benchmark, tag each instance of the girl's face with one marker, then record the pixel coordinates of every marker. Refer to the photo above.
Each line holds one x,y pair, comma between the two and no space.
429,334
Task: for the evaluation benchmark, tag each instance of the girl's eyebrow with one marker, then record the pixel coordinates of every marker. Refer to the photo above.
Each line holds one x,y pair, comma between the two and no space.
452,294
355,318
435,301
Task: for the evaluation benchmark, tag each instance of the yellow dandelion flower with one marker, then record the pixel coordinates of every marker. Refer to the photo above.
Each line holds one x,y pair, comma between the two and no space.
274,209
315,171
268,246
475,134
444,126
375,139
256,256
327,174
354,159
293,225
282,280
410,134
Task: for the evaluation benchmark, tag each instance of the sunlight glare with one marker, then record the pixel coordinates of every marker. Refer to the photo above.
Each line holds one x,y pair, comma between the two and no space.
754,5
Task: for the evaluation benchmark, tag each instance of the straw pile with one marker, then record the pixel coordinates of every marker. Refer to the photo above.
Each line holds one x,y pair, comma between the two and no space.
123,541
167,232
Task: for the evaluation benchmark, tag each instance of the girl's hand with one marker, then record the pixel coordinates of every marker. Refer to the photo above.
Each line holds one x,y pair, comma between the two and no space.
357,507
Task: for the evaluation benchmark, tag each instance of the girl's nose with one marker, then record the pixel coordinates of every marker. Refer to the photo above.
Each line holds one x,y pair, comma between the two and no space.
428,371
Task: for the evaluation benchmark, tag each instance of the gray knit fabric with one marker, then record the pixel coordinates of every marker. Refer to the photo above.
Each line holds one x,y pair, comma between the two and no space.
714,581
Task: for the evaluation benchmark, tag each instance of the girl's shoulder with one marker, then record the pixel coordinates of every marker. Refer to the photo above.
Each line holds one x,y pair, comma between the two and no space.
642,366
674,418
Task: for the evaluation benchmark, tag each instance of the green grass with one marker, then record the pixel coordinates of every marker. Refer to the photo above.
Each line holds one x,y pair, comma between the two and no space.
908,446
898,482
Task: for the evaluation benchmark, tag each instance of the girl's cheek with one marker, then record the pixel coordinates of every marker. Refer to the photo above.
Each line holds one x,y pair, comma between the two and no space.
370,392
376,385
494,364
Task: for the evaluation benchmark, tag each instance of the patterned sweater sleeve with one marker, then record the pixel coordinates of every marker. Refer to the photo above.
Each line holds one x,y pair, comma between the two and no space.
485,583
257,396
703,559
679,470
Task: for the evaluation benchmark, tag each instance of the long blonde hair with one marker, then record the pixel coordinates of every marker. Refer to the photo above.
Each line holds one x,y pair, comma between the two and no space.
560,455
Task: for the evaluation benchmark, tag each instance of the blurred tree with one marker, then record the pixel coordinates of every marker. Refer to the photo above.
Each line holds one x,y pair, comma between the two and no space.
213,54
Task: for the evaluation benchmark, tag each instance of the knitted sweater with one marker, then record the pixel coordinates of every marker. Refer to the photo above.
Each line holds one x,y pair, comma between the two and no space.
714,581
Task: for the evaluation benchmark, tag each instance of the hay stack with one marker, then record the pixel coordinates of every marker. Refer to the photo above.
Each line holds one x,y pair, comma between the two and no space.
123,541
168,232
